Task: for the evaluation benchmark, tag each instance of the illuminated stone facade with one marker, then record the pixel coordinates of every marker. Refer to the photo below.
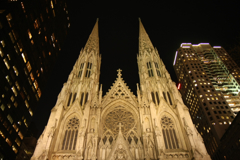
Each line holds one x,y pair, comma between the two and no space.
155,124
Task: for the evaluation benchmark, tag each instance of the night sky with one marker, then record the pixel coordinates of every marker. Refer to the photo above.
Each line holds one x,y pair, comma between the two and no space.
168,24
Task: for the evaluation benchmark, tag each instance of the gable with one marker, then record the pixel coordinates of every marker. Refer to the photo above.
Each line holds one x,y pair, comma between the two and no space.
119,90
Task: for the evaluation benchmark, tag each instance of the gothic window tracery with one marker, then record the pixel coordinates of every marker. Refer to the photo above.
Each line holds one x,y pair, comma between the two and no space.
81,70
117,116
153,97
169,133
164,95
149,67
69,99
70,135
74,97
158,101
84,98
157,69
88,71
169,97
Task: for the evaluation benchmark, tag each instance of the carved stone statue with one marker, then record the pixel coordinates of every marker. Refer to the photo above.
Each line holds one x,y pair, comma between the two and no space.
120,153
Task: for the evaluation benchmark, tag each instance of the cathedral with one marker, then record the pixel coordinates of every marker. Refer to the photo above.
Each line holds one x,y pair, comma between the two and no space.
152,125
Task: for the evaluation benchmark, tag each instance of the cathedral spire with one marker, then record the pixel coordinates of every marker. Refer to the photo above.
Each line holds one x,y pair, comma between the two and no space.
93,40
144,41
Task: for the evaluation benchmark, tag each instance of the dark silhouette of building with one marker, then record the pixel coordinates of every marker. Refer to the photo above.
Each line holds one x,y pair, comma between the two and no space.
31,36
229,147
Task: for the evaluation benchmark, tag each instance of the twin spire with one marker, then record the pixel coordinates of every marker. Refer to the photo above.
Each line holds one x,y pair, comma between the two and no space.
93,40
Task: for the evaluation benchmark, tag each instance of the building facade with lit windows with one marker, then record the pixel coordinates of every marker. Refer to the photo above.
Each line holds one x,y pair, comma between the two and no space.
31,36
209,88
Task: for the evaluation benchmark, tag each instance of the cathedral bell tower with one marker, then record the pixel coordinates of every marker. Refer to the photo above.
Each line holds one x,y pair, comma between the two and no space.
166,122
67,128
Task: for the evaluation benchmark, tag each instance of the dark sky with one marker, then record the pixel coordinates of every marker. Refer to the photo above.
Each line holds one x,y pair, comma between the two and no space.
168,24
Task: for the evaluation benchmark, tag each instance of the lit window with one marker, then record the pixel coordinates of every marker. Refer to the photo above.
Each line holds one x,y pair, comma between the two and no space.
8,79
25,122
3,43
46,38
52,5
17,84
10,118
220,123
3,107
39,92
32,77
30,111
1,52
8,141
14,91
15,127
23,7
11,37
24,58
26,103
15,70
17,140
28,65
35,83
208,98
29,34
1,133
14,149
20,134
9,17
6,63
15,104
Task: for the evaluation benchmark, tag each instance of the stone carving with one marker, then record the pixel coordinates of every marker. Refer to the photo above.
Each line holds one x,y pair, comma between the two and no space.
119,116
120,153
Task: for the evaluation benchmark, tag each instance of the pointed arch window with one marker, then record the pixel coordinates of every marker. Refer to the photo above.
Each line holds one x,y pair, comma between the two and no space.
70,136
153,97
157,69
86,98
149,67
74,97
81,70
169,133
158,101
164,95
69,99
169,97
88,71
82,96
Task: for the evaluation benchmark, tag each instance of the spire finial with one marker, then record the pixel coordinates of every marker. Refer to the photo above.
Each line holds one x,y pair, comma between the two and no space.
144,41
119,73
93,40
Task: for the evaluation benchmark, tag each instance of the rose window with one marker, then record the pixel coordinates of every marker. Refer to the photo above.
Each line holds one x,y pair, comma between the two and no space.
117,116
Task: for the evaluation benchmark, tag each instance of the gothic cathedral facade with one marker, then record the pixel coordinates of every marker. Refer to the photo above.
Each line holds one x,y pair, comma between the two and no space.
153,125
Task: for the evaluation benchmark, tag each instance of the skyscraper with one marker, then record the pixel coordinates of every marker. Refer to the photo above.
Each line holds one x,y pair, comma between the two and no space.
31,36
208,81
155,124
